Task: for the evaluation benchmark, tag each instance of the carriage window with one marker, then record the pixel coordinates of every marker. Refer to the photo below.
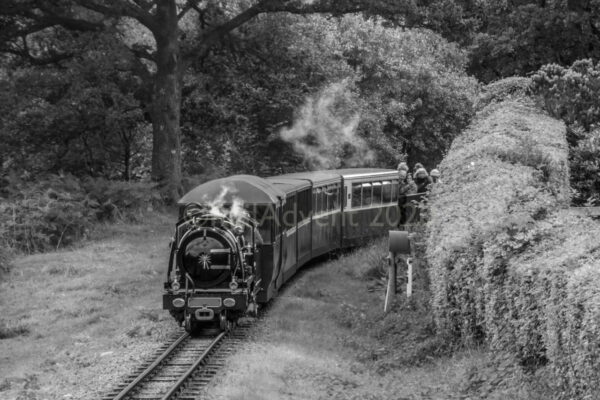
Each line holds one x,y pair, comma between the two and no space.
367,194
303,207
345,199
326,195
319,201
386,190
331,197
394,190
356,194
376,192
289,213
336,198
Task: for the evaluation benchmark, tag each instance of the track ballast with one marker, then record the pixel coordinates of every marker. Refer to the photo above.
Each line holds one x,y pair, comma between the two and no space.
182,368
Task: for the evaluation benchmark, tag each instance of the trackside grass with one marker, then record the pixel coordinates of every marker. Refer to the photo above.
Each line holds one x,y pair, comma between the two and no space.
326,337
75,321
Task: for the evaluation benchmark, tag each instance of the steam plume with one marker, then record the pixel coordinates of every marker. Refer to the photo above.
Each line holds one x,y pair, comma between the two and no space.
325,131
217,205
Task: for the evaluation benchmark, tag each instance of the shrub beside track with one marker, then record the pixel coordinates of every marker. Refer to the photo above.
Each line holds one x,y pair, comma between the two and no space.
508,266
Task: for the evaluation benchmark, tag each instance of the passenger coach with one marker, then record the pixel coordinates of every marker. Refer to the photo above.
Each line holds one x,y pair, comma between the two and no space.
293,219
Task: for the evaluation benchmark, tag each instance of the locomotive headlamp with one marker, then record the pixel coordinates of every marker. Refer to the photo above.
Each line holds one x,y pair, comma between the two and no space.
229,302
233,285
175,285
178,302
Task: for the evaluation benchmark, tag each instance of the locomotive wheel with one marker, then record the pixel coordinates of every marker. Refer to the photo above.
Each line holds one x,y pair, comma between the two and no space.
188,324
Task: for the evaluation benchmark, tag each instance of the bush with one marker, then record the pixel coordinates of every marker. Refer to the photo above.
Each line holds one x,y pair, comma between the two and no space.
508,267
510,88
585,166
58,210
5,258
111,200
571,94
551,303
505,172
45,215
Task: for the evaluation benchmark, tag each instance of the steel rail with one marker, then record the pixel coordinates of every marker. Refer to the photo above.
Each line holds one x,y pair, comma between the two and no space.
184,377
125,392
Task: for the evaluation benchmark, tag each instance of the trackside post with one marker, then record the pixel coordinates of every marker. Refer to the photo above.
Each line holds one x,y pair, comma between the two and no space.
399,244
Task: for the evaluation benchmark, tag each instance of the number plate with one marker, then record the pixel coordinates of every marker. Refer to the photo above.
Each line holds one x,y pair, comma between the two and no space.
204,302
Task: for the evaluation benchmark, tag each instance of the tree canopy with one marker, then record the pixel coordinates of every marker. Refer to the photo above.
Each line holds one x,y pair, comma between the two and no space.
153,46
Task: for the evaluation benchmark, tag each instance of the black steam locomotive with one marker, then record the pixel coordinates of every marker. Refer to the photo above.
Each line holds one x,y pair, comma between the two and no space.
238,239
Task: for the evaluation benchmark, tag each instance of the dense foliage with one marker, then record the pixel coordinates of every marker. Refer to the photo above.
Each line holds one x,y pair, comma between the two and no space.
87,115
407,90
571,94
500,176
507,267
82,118
517,38
57,210
283,92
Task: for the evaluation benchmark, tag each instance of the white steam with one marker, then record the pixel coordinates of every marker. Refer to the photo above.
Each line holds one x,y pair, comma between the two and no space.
325,133
218,207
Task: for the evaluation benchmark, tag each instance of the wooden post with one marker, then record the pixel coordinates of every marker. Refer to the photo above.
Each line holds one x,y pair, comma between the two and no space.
391,283
409,276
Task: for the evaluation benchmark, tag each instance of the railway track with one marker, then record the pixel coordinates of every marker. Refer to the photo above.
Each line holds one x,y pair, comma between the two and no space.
181,369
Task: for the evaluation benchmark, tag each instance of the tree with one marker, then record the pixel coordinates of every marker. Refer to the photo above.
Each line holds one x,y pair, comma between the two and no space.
83,117
571,94
27,26
518,37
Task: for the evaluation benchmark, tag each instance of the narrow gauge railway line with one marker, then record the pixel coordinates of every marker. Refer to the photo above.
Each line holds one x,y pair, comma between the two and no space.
182,368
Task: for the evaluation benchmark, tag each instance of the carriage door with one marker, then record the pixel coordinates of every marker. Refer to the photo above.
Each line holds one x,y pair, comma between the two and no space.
288,225
303,231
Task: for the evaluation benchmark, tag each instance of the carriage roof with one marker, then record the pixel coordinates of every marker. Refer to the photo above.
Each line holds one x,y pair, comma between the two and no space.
288,185
250,189
255,190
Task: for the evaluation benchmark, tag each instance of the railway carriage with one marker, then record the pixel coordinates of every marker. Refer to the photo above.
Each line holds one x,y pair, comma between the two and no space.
239,239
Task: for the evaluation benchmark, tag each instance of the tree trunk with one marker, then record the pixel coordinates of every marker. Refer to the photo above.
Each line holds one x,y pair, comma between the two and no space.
126,158
166,102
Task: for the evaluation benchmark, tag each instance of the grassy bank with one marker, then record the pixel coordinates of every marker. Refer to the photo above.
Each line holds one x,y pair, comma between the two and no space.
73,321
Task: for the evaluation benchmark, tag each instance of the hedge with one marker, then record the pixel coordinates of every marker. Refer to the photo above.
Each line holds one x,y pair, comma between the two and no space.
507,266
506,170
551,294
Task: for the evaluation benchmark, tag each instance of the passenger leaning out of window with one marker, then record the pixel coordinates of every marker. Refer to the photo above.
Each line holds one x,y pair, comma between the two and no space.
435,175
406,186
422,180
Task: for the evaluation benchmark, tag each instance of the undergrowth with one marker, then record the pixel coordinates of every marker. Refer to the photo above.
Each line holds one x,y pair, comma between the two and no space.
12,329
54,211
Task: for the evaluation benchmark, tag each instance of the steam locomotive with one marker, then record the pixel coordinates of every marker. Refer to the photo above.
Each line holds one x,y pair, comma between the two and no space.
239,239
